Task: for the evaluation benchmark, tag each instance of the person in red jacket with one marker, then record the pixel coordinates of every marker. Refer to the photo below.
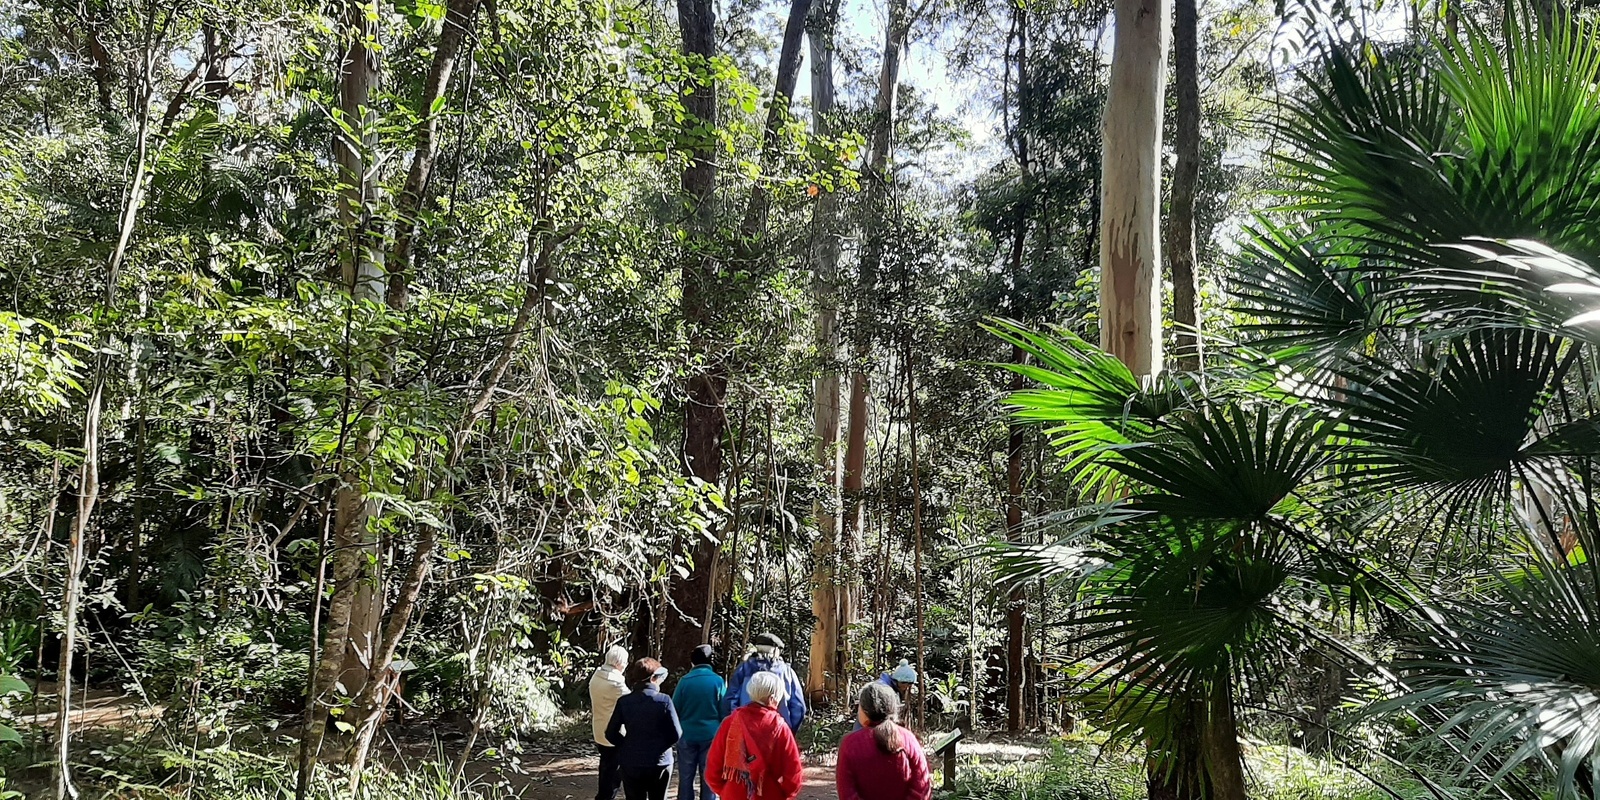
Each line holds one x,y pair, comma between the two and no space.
754,756
882,761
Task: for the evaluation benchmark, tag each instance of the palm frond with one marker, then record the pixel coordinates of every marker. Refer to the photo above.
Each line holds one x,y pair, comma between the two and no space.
1459,420
1305,300
1518,670
1091,404
1228,463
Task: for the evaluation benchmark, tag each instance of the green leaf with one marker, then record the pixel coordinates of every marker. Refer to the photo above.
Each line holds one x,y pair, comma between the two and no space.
11,685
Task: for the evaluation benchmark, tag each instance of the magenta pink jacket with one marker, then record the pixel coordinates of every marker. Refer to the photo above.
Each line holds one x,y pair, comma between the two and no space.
867,773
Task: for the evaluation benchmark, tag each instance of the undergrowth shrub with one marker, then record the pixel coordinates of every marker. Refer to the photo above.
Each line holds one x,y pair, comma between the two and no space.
138,772
1081,770
1069,771
524,699
248,661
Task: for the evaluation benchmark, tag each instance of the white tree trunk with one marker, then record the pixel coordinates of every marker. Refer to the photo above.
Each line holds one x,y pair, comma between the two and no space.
830,601
1130,193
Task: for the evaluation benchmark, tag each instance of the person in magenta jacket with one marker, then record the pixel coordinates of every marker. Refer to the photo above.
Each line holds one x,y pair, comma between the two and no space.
882,761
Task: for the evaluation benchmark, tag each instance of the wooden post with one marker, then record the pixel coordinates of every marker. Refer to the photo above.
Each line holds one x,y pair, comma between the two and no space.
947,747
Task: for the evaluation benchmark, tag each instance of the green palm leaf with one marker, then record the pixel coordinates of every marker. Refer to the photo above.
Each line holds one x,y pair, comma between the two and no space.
1462,420
1518,670
1091,404
1228,463
1304,299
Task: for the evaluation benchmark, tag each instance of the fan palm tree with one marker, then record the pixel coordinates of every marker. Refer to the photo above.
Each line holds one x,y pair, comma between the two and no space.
1420,357
1434,288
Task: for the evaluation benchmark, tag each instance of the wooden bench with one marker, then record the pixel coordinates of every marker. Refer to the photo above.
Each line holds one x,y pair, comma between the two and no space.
946,746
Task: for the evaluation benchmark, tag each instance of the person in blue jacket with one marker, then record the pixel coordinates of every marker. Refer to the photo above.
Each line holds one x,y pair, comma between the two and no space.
901,679
698,699
767,656
644,729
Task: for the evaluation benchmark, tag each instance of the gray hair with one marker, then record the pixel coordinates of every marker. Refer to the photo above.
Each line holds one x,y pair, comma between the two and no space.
617,656
764,686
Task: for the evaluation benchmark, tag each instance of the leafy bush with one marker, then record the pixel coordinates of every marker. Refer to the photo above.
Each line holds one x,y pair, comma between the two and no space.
524,699
1068,772
198,658
1081,769
12,689
132,771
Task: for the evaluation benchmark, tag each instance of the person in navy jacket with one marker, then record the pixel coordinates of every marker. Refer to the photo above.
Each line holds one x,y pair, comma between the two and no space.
644,729
768,657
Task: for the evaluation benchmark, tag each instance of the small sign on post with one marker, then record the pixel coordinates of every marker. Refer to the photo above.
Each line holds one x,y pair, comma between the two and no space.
946,746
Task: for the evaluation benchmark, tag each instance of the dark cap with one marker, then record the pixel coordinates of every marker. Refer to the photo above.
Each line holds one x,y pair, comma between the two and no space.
701,655
766,640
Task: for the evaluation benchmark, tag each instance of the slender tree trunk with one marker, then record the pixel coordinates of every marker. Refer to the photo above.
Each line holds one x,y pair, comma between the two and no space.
705,409
916,531
89,469
754,225
1130,188
458,22
1176,769
833,599
374,698
345,662
1017,600
1181,245
877,197
1220,742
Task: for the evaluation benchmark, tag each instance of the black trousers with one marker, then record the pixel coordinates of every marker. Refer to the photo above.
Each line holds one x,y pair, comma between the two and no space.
646,783
610,773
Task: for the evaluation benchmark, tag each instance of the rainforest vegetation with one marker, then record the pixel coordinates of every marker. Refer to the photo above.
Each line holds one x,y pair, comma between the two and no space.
1200,396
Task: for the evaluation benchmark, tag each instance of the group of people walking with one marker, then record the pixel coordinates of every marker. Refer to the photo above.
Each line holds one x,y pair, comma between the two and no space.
735,739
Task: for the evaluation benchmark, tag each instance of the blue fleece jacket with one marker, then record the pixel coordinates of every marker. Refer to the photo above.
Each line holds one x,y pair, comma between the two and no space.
793,711
698,699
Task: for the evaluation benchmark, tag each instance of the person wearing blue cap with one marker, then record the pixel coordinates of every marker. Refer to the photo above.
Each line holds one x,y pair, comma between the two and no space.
900,679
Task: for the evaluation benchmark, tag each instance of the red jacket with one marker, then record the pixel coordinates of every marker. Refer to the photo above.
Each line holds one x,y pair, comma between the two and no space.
867,773
754,757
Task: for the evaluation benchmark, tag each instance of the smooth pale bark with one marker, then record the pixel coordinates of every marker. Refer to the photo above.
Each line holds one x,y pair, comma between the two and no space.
833,598
705,407
373,697
1130,187
1181,245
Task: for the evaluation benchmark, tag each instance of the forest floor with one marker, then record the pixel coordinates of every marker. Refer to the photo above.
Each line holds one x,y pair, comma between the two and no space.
556,766
565,777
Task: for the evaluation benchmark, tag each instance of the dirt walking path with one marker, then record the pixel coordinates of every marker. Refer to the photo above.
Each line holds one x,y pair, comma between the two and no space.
566,777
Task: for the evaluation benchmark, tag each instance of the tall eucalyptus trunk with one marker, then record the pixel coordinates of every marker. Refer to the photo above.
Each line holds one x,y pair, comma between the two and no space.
877,201
1130,186
1181,245
834,585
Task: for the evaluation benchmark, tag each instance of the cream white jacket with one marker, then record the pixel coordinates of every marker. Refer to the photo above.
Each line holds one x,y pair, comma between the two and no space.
605,687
